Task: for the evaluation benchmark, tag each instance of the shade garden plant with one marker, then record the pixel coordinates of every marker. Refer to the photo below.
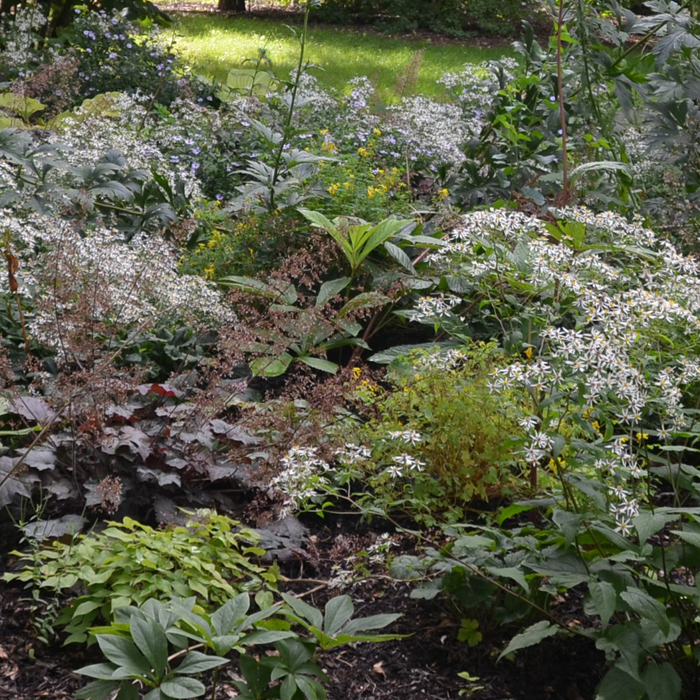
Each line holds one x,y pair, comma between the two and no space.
472,321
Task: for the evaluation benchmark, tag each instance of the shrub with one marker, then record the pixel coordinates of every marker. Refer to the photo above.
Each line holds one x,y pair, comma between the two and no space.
210,556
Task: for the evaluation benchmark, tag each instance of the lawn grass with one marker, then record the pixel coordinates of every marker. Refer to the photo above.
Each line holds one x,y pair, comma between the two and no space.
215,44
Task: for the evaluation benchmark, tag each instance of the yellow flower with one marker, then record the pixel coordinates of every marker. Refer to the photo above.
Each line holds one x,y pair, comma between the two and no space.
642,437
443,193
377,132
210,272
362,151
333,189
528,353
356,372
596,424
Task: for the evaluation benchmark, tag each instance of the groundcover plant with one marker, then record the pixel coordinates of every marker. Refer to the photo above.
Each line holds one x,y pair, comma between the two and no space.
474,322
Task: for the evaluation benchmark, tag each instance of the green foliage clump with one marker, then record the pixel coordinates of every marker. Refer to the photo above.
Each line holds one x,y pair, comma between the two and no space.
129,562
437,437
356,187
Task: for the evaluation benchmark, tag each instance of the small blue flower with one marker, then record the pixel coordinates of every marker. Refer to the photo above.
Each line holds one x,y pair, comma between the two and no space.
174,159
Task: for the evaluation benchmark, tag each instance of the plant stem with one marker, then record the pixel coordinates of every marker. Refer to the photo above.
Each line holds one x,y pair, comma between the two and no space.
562,108
290,114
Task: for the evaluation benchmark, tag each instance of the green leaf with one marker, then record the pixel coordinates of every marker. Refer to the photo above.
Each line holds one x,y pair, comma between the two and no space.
511,511
128,691
618,685
317,219
319,363
288,688
271,367
97,690
304,610
662,682
330,289
228,615
604,598
371,622
510,572
102,671
648,607
689,537
400,257
648,523
339,610
124,653
182,688
87,607
150,639
196,662
531,636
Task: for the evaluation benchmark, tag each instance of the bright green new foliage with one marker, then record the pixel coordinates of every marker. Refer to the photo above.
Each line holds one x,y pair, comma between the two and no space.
129,562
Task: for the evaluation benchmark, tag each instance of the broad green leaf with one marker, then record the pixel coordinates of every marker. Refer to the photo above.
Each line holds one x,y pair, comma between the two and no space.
689,537
97,690
330,289
87,607
312,689
604,598
371,622
196,662
662,682
271,367
124,653
511,511
531,636
510,572
266,637
128,691
339,610
307,612
648,523
183,688
618,685
317,219
648,607
400,256
288,688
150,639
228,615
320,364
102,671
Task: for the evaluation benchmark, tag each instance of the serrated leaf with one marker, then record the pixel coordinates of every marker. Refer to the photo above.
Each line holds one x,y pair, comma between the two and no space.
662,682
531,636
648,607
604,598
618,685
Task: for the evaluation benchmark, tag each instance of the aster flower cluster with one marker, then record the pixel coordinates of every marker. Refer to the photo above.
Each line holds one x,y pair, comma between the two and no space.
615,298
301,478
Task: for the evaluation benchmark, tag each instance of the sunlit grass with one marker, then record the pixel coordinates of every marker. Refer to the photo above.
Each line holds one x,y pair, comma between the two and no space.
215,44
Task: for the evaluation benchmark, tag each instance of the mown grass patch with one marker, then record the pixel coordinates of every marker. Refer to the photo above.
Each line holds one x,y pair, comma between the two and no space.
216,44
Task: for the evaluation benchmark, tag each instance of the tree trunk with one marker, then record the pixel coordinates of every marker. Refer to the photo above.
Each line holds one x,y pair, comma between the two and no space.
231,6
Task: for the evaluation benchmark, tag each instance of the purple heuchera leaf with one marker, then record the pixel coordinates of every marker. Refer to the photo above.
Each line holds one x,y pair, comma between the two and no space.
33,409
